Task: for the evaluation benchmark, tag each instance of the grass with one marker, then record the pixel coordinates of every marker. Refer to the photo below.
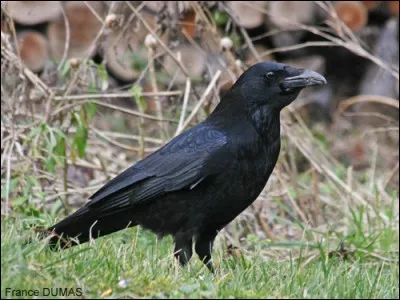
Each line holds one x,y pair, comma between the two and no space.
135,264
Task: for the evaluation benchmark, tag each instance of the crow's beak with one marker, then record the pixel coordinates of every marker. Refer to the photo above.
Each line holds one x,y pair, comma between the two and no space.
305,79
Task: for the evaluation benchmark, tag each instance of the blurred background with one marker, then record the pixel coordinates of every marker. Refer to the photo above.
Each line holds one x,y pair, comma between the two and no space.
90,87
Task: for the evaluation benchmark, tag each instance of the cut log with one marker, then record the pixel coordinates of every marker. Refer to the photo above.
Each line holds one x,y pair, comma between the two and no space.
193,60
285,14
380,82
393,7
32,12
247,13
83,29
34,51
376,80
352,13
189,23
125,56
371,5
125,53
173,7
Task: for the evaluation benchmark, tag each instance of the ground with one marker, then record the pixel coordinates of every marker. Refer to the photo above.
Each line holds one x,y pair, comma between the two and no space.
135,264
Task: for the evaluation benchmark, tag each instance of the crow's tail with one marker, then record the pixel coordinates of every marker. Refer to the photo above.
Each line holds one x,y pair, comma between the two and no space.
86,224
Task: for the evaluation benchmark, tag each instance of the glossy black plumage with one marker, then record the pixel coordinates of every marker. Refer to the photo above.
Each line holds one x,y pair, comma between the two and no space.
202,179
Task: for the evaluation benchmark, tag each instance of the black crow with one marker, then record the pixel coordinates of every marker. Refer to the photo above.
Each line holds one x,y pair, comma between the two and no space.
202,179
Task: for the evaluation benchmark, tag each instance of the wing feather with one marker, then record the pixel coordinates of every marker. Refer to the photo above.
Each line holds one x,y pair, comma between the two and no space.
182,163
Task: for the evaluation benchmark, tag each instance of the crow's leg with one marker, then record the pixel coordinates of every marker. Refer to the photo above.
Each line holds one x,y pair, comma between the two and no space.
183,249
204,245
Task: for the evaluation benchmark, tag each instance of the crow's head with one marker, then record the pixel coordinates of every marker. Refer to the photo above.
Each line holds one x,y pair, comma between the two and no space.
274,84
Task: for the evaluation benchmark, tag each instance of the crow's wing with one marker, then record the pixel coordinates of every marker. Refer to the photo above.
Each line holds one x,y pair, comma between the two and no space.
182,163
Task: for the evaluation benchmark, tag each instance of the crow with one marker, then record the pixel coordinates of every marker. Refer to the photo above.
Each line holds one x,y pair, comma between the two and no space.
203,178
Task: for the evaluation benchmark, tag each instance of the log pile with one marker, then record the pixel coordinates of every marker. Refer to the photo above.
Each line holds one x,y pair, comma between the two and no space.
188,35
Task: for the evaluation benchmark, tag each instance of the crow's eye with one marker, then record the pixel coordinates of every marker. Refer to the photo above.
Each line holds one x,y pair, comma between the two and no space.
270,75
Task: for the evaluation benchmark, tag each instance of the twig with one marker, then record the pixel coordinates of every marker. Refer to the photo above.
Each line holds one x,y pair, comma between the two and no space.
323,168
14,33
115,95
67,39
244,34
354,48
181,66
346,42
128,136
389,177
127,25
125,110
65,183
316,207
250,44
72,82
381,129
32,77
8,178
141,135
298,46
94,12
133,112
113,142
265,227
184,106
366,98
371,114
202,99
295,206
152,73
